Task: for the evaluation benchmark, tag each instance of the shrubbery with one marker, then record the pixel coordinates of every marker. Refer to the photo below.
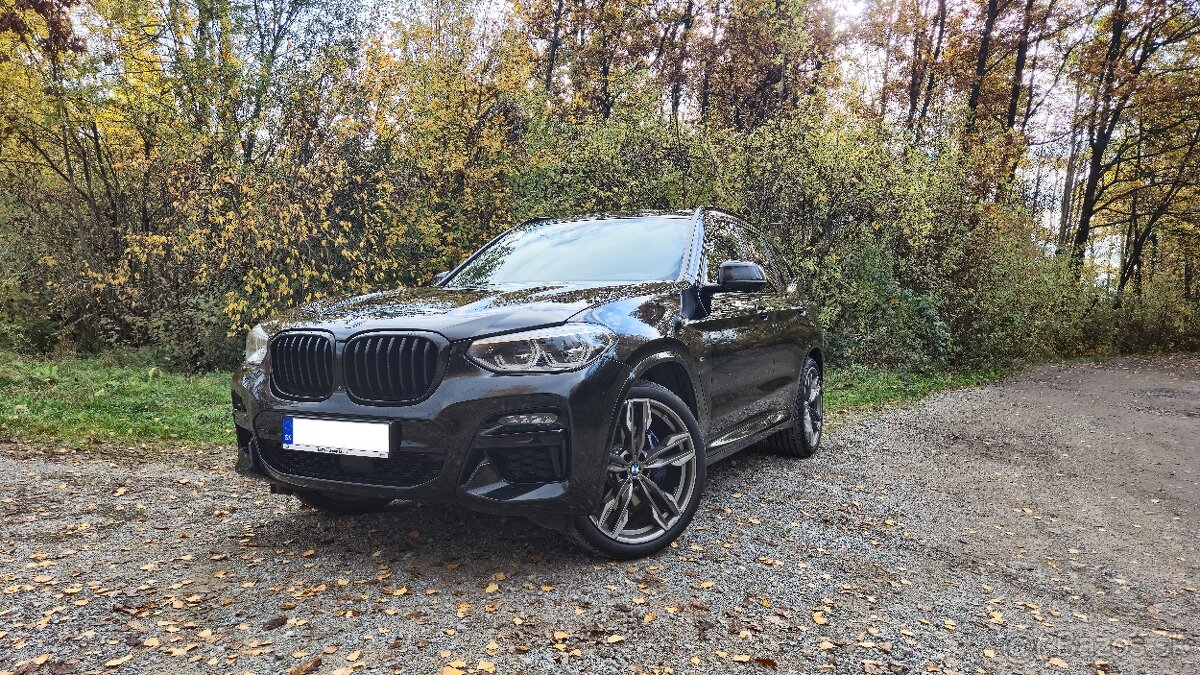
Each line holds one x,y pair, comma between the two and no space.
383,158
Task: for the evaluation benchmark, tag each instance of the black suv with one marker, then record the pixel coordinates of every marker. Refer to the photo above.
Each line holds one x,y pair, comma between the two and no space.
580,371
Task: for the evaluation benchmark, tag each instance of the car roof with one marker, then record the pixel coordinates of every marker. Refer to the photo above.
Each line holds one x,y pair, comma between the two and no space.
612,215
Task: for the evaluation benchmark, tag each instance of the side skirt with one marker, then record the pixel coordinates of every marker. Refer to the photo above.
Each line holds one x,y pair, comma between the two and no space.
747,434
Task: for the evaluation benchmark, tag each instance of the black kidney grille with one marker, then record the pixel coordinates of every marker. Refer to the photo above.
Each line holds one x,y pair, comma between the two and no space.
390,368
302,366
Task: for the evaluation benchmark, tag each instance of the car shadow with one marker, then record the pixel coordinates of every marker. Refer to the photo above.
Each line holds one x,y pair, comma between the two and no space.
423,535
420,534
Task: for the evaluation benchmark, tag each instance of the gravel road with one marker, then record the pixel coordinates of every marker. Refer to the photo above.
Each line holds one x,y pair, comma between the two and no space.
1048,523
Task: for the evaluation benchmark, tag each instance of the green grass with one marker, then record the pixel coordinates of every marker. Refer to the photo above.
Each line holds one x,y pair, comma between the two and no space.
79,401
111,399
859,389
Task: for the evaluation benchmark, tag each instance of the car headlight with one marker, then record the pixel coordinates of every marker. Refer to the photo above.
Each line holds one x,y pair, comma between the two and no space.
256,344
544,350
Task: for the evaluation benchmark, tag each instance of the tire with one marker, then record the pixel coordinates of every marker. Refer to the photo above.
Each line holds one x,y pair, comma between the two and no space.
803,438
654,479
342,505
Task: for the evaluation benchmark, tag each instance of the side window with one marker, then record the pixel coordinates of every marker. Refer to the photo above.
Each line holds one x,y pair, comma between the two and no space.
756,251
720,244
777,261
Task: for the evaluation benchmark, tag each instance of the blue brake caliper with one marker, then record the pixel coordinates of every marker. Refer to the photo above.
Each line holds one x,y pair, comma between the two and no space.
656,475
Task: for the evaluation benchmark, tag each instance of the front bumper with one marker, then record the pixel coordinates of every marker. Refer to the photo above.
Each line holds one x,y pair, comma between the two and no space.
449,447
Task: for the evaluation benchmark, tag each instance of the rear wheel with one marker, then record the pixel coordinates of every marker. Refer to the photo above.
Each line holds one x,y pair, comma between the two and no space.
342,505
654,477
804,437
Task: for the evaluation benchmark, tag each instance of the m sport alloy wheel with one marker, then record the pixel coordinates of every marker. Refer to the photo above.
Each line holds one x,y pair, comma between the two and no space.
654,478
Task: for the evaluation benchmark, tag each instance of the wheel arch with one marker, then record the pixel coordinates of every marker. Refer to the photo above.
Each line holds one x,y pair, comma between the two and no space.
819,357
669,364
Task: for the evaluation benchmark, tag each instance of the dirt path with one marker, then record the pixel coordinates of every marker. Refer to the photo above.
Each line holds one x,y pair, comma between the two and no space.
1050,523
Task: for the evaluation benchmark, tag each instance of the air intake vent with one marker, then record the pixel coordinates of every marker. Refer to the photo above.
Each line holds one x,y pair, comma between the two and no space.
384,368
302,366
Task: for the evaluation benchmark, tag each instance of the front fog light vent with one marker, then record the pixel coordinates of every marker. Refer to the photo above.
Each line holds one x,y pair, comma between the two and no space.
529,420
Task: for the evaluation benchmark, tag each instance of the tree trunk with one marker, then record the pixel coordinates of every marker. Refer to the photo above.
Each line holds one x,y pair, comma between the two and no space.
1104,117
1189,274
1014,97
933,61
916,73
985,41
1068,194
555,41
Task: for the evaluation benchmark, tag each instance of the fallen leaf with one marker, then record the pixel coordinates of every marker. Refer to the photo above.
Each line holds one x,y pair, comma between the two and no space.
354,655
306,668
1059,663
118,662
613,639
819,618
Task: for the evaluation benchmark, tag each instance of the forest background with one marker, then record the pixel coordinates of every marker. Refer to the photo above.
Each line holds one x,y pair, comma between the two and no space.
959,183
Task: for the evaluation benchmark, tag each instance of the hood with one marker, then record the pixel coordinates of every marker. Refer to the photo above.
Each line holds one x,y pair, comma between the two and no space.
461,313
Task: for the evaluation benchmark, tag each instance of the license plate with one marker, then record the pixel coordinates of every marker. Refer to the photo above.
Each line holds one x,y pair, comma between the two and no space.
337,437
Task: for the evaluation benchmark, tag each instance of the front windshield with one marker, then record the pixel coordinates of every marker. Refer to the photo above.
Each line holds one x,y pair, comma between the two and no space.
647,248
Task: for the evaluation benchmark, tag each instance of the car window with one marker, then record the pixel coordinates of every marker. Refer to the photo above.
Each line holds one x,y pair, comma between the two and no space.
782,270
720,244
753,252
774,266
648,248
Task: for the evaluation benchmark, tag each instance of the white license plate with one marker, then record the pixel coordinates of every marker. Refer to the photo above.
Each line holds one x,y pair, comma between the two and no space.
337,437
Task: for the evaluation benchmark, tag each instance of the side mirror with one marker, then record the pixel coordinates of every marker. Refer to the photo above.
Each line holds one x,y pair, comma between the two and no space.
739,276
440,277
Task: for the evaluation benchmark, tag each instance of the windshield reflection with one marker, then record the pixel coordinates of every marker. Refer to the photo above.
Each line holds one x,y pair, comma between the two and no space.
640,248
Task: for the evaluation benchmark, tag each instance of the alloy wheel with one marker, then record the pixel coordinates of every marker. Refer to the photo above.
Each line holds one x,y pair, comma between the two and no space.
813,407
651,473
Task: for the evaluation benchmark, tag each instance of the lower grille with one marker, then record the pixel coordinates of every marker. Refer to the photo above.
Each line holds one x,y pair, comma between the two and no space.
528,464
406,470
302,366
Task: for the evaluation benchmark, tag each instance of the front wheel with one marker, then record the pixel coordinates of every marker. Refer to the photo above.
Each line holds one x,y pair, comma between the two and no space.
342,505
654,477
804,436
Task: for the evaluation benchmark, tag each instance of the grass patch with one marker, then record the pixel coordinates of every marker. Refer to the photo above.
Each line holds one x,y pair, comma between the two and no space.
78,401
860,389
82,400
